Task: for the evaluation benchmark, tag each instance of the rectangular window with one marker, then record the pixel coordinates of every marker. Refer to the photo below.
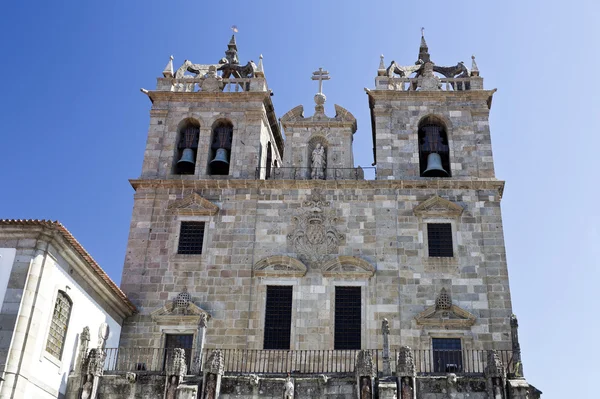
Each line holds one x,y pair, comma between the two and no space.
447,355
439,239
191,236
278,317
183,341
347,317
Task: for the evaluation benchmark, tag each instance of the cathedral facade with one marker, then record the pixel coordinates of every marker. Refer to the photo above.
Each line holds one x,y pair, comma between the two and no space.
264,267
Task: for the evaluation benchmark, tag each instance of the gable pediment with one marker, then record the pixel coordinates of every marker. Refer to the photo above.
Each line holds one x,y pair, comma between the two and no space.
279,266
193,205
348,266
438,207
168,314
452,317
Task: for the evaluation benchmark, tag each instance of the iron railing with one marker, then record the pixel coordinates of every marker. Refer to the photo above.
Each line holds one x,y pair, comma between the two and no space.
304,173
276,361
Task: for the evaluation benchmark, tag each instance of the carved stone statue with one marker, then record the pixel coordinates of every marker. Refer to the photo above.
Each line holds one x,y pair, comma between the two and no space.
365,389
452,390
497,388
288,388
172,389
211,386
407,389
86,392
318,163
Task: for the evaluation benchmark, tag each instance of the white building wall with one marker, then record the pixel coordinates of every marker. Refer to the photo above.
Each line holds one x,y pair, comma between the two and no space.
48,375
7,257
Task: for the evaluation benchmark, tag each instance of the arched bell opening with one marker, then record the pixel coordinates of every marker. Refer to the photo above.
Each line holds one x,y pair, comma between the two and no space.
187,147
434,151
220,148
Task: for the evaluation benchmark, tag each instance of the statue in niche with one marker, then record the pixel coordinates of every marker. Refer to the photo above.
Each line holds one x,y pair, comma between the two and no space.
407,390
87,387
365,389
318,162
497,388
211,387
288,388
172,390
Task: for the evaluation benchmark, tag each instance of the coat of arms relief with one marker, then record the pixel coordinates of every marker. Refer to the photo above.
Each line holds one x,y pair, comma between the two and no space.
315,238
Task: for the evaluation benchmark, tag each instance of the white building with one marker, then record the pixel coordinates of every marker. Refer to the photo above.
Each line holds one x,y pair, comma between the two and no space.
50,289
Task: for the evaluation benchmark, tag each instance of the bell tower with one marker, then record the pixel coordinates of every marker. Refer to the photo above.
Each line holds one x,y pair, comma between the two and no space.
431,121
211,121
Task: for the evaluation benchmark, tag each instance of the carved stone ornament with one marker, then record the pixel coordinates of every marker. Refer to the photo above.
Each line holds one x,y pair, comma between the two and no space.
192,205
279,266
212,82
94,363
170,314
315,238
385,327
131,377
182,302
444,314
438,207
428,81
364,364
494,367
288,388
177,366
85,334
215,363
405,365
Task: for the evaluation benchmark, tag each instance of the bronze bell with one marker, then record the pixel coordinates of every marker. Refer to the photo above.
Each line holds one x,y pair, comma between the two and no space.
187,163
434,166
220,165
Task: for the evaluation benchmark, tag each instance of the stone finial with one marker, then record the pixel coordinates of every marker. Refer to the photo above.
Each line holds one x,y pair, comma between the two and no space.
177,365
443,301
474,68
215,363
85,335
182,301
385,327
168,71
423,49
103,333
381,71
494,367
405,365
259,73
364,364
231,52
203,322
320,98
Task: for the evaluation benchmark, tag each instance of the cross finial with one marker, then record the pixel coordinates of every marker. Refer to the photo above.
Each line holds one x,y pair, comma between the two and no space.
422,32
320,75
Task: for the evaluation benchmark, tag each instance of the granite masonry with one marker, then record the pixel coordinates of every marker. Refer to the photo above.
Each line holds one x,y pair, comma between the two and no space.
290,273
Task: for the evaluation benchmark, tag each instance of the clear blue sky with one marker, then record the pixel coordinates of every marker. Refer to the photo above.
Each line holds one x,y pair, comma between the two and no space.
74,123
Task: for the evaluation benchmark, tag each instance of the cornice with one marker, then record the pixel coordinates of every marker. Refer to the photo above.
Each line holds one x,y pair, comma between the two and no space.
177,96
431,184
440,95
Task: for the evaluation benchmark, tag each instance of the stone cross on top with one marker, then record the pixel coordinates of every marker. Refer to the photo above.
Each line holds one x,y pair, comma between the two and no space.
320,75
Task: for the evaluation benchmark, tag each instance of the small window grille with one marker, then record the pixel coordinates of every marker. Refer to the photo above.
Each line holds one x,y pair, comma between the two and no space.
278,317
447,355
191,236
347,318
439,239
59,325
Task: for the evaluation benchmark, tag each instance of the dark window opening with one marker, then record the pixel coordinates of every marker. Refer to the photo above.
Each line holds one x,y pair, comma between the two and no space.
278,317
220,149
347,317
269,161
59,325
191,236
187,149
434,153
183,341
439,240
447,355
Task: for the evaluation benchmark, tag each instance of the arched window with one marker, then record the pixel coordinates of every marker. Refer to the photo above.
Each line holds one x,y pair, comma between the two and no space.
187,147
434,153
59,325
220,148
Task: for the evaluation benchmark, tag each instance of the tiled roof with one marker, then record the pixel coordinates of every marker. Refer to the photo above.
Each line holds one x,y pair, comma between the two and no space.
57,226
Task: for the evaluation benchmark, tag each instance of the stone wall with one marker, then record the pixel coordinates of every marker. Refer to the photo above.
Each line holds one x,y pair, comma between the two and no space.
380,229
